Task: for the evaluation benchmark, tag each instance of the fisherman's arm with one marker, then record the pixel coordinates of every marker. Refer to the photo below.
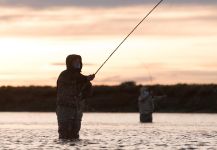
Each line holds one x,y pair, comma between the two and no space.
87,91
157,98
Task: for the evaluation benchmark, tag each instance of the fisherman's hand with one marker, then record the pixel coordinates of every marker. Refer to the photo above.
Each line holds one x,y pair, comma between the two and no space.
91,77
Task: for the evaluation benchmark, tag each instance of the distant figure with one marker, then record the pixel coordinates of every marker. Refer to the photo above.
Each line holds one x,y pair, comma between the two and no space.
70,97
146,105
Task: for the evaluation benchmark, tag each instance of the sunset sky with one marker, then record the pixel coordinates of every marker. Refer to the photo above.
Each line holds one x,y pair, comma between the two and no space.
176,44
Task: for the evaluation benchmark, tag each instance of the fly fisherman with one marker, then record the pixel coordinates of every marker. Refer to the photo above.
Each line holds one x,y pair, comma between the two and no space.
72,89
146,104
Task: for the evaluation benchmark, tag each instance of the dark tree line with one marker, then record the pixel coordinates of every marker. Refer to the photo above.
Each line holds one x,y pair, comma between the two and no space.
121,98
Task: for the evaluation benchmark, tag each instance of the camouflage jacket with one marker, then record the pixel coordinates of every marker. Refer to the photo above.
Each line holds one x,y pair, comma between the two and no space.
69,87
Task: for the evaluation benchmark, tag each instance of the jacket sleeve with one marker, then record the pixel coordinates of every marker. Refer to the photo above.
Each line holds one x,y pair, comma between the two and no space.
86,88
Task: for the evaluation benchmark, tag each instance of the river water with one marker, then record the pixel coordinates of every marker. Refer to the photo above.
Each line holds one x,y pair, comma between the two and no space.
23,131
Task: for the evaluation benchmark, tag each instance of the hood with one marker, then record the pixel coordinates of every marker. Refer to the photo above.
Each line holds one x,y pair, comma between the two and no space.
69,61
143,89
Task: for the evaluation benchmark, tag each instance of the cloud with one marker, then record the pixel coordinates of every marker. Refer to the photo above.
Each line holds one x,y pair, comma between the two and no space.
94,3
87,22
209,65
165,77
194,73
74,3
101,21
142,79
58,64
111,78
174,76
120,79
63,64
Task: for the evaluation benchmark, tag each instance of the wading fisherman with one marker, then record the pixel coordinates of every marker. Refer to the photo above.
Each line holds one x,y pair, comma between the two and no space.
146,105
72,89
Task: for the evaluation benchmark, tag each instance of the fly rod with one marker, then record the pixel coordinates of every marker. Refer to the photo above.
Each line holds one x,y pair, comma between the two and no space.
129,35
123,41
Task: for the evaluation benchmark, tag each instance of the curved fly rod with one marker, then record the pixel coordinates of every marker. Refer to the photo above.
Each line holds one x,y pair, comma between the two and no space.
128,35
124,41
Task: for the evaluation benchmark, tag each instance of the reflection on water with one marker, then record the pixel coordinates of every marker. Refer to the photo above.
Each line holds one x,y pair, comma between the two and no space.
110,131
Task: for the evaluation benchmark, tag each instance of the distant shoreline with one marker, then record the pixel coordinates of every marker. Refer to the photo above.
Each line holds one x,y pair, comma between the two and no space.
181,98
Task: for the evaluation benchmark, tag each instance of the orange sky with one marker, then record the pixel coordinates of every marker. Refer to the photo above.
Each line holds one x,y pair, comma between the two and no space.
177,44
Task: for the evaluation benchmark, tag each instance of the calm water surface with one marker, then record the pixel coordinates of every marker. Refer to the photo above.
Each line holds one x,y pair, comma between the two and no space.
23,131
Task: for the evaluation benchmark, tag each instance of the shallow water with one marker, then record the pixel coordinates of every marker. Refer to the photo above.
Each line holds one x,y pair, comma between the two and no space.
110,131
